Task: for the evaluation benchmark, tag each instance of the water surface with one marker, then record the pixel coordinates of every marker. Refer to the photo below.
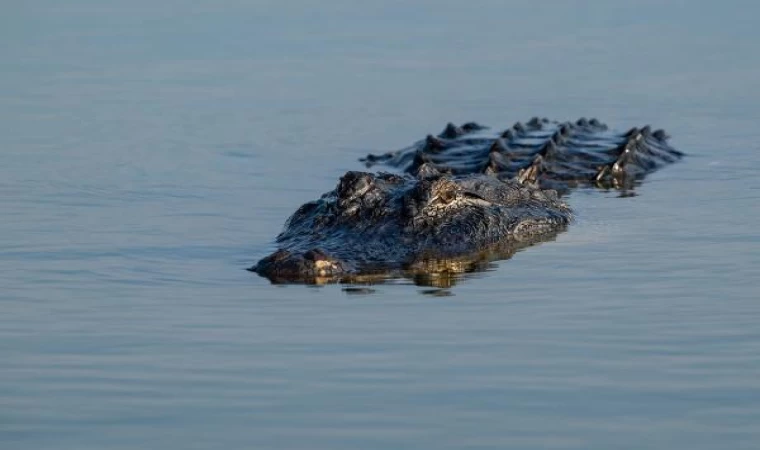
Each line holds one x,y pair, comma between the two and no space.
152,151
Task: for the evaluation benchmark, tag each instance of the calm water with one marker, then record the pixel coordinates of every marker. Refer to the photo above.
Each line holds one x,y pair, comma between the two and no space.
150,151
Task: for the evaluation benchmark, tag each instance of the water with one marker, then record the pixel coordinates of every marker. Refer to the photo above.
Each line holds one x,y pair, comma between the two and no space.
150,151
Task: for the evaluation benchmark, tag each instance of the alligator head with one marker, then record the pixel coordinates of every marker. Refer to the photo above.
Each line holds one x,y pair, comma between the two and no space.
381,223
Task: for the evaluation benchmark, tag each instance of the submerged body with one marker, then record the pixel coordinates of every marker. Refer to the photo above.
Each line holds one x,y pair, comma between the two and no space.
466,197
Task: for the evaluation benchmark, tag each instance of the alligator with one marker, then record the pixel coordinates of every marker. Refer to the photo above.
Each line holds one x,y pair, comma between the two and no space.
463,198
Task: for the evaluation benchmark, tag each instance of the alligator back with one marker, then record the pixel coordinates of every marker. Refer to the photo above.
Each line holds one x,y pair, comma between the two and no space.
549,154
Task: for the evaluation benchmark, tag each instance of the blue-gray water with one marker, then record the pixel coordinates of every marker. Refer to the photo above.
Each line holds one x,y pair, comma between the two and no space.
150,151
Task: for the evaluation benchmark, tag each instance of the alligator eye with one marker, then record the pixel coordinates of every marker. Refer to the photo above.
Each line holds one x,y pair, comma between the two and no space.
446,197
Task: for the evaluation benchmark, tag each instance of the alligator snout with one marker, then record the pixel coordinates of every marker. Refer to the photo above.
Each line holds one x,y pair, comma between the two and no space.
284,264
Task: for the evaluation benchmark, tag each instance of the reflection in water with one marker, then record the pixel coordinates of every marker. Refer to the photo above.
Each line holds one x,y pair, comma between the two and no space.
357,290
437,292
